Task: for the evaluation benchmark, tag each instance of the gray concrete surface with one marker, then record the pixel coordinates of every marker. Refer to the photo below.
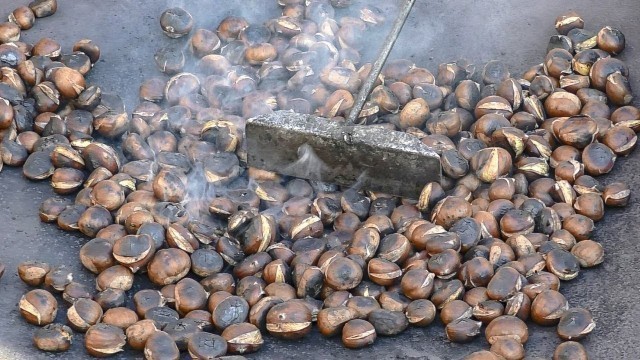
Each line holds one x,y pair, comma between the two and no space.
513,31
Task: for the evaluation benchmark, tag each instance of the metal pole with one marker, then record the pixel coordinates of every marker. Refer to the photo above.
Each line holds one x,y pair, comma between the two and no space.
368,84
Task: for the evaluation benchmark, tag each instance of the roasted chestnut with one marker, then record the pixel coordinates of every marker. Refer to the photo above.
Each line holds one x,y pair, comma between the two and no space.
38,307
289,320
176,22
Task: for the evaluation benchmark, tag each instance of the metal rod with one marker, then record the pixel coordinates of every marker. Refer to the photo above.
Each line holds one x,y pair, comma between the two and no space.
368,84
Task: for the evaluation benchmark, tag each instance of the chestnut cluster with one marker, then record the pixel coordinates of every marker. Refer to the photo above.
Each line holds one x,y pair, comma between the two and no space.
236,252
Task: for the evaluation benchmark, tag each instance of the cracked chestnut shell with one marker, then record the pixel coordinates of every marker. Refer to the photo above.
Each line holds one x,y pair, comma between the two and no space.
83,314
69,82
505,283
110,298
23,16
568,21
33,272
491,163
462,330
242,338
548,307
332,320
610,40
575,324
38,307
358,333
616,194
289,320
507,326
53,338
230,27
176,22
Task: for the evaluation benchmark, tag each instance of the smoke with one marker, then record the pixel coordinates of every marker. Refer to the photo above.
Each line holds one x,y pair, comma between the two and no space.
308,163
199,193
207,15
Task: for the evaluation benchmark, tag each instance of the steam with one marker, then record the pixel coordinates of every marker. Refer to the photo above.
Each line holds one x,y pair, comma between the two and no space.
308,163
199,193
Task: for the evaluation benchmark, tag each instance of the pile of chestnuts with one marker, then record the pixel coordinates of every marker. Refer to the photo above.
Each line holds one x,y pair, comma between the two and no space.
234,253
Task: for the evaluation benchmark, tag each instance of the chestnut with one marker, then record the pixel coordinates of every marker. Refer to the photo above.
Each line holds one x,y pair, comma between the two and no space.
242,338
548,307
598,159
611,40
51,208
170,60
343,274
162,315
189,296
568,21
462,330
43,8
180,331
620,139
75,291
358,333
414,114
289,320
230,27
110,298
176,22
507,326
204,345
575,324
508,348
486,311
420,312
83,314
38,166
388,323
616,194
138,333
23,16
96,255
53,338
69,82
38,307
168,266
222,304
58,278
94,219
33,272
331,320
483,355
505,283
455,310
570,350
9,32
116,277
104,340
160,345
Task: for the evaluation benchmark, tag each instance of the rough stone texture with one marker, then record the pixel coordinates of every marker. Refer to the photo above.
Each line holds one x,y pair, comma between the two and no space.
364,156
513,31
